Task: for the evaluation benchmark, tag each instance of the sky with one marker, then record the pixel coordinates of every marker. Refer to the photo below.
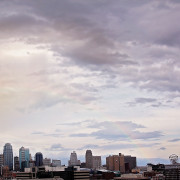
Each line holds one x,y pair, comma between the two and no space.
82,74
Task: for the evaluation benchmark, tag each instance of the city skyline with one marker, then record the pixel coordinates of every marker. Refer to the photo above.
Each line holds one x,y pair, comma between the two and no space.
99,75
124,163
86,158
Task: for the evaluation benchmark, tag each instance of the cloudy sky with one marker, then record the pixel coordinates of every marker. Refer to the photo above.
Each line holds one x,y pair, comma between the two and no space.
82,74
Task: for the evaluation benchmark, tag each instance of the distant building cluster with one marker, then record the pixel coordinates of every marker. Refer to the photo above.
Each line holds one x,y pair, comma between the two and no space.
117,167
114,163
24,161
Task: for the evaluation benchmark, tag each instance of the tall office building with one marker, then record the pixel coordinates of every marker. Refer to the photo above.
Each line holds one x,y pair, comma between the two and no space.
96,162
1,160
116,163
16,163
23,158
8,156
73,159
30,157
89,159
38,159
1,163
130,162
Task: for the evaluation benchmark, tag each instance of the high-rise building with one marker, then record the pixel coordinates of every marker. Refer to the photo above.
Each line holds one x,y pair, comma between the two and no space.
8,156
16,163
1,163
32,163
89,159
39,159
1,160
23,157
131,161
96,162
92,161
46,162
116,163
30,157
56,163
73,159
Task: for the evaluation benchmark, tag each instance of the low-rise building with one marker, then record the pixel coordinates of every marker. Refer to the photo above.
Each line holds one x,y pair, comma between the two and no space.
56,163
46,161
132,177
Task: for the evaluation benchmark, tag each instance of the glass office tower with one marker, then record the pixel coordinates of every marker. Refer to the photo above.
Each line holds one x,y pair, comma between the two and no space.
8,156
39,159
24,157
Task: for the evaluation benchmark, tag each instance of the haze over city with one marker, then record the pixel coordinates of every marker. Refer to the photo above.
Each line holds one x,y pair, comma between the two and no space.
100,75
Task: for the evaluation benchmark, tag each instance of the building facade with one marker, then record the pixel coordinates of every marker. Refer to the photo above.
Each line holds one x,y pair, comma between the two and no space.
96,162
16,163
8,156
130,161
24,157
1,163
89,159
73,160
56,163
116,163
47,162
1,160
38,159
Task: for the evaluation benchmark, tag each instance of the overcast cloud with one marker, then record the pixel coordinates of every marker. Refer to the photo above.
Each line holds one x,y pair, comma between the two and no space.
115,63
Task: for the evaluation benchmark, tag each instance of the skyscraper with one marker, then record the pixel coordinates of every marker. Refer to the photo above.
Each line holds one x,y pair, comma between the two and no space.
23,157
73,159
1,163
16,163
96,162
130,161
116,163
1,160
89,159
38,159
8,155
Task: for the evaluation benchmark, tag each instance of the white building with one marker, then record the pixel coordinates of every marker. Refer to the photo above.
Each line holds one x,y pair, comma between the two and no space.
73,160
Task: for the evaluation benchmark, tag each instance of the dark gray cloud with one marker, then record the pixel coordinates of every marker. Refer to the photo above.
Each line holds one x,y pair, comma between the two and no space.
142,100
145,100
135,42
120,130
57,147
56,134
81,135
37,133
89,146
162,148
79,123
151,102
174,140
112,146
